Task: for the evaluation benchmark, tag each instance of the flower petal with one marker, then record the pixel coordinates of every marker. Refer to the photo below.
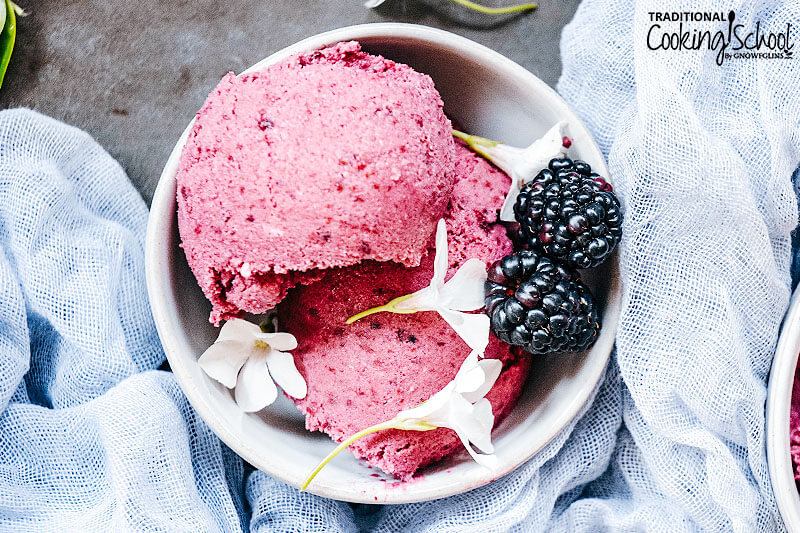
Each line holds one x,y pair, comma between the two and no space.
478,426
422,300
537,156
279,341
485,460
470,376
470,427
503,156
223,360
522,165
491,371
284,372
474,329
237,329
433,410
507,209
255,389
465,290
440,262
373,3
488,461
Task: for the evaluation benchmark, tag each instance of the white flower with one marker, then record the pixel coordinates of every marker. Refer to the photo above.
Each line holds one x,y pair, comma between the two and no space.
464,291
521,164
246,359
460,406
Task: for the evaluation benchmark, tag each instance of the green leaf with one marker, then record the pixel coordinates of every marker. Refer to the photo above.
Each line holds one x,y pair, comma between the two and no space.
7,37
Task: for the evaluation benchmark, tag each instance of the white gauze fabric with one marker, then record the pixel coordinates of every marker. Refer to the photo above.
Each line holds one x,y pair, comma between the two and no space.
93,438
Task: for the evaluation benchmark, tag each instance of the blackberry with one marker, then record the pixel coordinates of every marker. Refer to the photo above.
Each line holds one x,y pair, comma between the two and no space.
570,213
540,305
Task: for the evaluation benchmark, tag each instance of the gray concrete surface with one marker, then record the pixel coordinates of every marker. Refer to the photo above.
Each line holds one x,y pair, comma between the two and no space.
133,73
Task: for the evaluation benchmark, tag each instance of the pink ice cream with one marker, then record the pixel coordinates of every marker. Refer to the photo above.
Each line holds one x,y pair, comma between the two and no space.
365,373
324,160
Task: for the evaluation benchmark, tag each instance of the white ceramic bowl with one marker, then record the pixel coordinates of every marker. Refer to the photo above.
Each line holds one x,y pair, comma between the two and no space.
488,95
779,397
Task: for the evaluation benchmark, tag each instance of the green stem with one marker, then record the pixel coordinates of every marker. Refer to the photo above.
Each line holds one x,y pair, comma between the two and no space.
475,142
494,10
390,424
474,139
388,308
344,444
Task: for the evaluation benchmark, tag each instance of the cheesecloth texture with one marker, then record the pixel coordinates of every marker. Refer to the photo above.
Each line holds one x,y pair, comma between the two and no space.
93,437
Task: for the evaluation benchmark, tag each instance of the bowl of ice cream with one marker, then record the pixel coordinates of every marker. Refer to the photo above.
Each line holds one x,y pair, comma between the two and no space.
358,375
783,418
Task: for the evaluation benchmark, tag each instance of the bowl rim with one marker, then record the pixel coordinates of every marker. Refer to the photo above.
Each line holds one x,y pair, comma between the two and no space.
779,400
162,215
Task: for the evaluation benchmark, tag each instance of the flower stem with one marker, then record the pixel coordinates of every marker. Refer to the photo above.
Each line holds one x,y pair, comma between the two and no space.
389,308
474,139
344,444
495,10
405,425
475,142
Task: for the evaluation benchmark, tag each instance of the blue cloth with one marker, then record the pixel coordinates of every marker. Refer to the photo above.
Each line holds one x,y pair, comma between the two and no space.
93,437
